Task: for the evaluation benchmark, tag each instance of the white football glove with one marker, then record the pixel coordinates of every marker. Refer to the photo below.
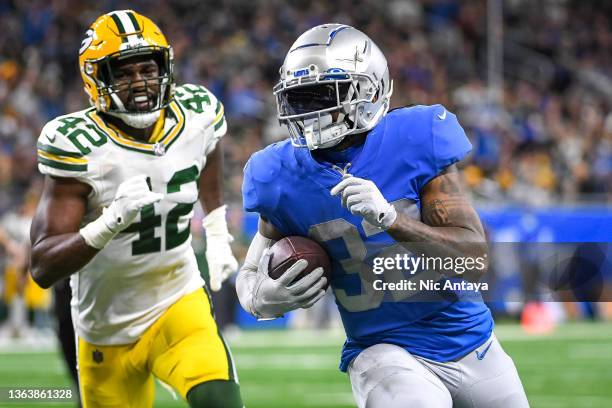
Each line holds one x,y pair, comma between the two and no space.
273,298
131,196
362,197
221,260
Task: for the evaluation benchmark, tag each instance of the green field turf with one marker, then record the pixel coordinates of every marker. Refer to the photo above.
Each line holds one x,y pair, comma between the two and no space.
282,369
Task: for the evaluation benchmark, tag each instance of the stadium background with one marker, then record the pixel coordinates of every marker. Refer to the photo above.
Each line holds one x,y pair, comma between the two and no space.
531,82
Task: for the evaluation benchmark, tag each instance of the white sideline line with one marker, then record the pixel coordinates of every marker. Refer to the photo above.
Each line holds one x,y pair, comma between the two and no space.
582,332
263,394
287,338
28,345
334,338
323,339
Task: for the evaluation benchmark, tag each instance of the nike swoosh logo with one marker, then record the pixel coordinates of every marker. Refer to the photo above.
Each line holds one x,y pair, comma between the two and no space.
51,139
482,354
443,115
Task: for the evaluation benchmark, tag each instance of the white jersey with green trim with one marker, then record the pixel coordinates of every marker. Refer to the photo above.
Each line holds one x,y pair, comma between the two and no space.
150,265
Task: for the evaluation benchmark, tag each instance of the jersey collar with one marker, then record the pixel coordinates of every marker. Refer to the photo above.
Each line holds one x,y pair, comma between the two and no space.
327,175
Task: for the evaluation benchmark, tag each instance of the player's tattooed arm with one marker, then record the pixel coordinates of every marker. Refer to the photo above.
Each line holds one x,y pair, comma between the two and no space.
58,250
445,205
449,224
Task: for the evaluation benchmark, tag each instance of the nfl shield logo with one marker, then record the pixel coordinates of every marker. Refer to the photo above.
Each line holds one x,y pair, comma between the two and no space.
159,149
97,356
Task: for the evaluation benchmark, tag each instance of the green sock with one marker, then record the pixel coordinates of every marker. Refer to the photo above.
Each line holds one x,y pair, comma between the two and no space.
215,394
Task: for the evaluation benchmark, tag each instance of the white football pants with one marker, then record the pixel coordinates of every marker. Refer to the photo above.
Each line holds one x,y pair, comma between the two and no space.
387,376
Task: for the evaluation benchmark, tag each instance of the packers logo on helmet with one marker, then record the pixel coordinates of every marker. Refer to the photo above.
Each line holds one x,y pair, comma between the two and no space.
116,36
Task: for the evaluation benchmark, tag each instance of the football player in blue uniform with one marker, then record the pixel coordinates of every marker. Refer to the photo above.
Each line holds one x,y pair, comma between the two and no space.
365,182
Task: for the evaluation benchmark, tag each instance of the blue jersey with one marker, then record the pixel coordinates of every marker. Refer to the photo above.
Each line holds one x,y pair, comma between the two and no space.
408,148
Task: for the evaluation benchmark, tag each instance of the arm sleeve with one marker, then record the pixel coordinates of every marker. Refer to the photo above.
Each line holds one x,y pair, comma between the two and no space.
246,281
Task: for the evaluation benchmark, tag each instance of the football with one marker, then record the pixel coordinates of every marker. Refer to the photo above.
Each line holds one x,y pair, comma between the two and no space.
290,249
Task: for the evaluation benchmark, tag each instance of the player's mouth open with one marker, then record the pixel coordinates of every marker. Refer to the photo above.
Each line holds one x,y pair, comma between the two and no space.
142,102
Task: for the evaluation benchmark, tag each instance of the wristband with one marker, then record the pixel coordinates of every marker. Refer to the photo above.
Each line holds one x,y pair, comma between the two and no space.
97,234
215,224
388,218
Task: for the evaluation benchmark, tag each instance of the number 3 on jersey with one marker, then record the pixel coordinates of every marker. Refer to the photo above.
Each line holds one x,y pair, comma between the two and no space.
147,241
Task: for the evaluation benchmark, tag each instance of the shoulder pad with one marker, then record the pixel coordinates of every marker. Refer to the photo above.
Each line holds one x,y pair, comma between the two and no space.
434,136
65,142
266,164
197,98
200,101
260,186
450,143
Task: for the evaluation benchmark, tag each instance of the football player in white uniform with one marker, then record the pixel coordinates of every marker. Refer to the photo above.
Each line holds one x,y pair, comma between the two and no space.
122,178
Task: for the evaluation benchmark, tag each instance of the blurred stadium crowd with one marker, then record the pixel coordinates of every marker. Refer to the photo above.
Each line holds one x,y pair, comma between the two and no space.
550,140
546,139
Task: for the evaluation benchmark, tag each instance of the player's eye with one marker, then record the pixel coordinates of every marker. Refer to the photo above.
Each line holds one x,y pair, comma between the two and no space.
150,70
121,75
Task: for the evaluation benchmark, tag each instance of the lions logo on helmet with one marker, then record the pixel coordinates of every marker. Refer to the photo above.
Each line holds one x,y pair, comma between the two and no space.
119,35
334,82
